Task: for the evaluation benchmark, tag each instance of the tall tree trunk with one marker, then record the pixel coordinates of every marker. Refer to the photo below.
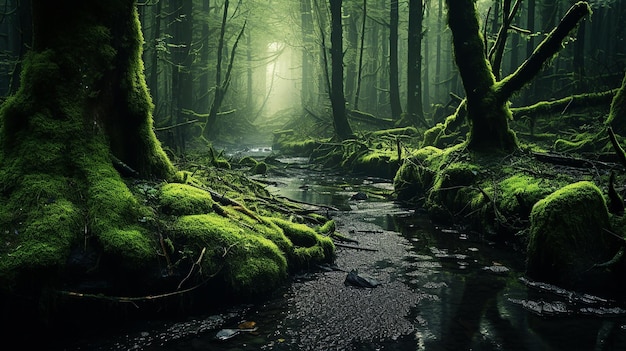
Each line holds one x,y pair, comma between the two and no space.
350,54
579,58
617,115
530,47
414,104
488,114
182,81
394,84
438,52
23,43
337,99
203,102
306,18
359,74
82,107
154,67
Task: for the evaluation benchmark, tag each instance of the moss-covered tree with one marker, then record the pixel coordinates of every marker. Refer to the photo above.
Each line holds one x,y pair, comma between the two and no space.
82,108
487,99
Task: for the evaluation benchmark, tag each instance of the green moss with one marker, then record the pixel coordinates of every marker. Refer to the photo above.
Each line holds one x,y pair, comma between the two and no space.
379,163
310,247
519,193
290,144
567,238
183,199
431,136
617,114
584,142
248,161
249,263
132,247
259,168
415,176
327,228
453,188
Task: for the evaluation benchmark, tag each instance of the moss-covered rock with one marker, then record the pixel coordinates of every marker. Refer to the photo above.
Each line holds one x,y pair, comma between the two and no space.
309,246
415,175
287,142
248,263
567,238
183,199
454,186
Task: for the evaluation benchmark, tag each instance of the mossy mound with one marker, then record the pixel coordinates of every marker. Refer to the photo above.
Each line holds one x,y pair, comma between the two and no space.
250,255
247,262
182,199
415,176
287,142
453,188
309,246
567,237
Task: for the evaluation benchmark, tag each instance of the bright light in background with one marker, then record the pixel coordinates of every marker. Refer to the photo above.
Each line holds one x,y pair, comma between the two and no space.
280,83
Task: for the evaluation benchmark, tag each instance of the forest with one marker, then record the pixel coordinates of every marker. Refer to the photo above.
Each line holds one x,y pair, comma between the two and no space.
124,128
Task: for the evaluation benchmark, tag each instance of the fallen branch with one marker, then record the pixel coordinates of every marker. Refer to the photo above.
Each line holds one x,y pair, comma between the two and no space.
570,161
193,267
175,125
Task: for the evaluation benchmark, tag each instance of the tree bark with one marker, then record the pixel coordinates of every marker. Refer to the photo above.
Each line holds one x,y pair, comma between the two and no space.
487,112
487,109
182,81
82,103
394,84
337,99
359,74
306,18
414,107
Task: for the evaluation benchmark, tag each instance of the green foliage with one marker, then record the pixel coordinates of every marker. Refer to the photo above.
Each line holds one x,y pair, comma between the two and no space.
289,143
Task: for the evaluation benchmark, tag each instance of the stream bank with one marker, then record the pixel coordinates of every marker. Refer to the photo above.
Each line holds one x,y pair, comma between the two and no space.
442,288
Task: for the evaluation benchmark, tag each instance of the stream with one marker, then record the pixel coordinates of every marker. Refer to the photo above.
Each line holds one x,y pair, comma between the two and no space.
442,288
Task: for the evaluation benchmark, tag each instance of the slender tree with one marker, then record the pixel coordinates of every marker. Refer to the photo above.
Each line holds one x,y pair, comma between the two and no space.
182,80
306,18
394,84
337,99
414,105
359,74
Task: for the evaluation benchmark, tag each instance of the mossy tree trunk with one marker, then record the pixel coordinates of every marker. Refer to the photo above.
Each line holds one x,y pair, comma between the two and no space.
487,100
82,103
617,116
86,70
488,112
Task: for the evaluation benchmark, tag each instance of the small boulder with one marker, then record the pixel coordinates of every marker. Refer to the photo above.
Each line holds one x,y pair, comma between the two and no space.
567,238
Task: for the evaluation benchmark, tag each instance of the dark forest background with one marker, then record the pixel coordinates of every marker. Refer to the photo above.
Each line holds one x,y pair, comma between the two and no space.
230,71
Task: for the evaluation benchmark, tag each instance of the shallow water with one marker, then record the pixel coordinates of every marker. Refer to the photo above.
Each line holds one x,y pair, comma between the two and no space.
442,289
